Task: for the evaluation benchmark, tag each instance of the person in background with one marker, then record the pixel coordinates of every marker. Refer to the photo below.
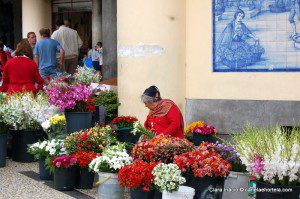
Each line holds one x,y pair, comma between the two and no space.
164,116
100,57
31,37
21,73
67,23
45,54
96,54
70,42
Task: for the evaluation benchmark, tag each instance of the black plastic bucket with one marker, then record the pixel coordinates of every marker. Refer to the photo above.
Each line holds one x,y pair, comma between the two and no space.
77,121
140,193
125,135
203,186
3,141
44,172
20,141
269,191
64,179
84,179
198,139
157,195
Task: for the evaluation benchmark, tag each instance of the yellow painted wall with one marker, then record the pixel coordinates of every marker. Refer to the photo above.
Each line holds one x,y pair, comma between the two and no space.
202,83
151,22
36,14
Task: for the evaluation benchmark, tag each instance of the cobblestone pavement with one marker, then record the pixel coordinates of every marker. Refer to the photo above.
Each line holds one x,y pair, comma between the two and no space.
21,181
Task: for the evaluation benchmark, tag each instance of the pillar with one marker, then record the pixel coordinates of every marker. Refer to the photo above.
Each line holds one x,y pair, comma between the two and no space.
151,51
36,14
96,21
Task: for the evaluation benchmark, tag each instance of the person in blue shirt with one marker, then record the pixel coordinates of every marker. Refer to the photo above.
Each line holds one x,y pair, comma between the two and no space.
45,54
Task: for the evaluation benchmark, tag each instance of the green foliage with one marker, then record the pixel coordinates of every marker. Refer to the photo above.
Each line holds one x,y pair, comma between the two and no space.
110,101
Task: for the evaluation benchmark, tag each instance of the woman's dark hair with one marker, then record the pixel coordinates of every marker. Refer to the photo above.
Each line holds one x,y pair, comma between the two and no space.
238,12
24,48
151,94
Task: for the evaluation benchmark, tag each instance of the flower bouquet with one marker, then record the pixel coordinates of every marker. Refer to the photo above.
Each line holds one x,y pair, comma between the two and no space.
112,160
64,172
86,76
272,156
76,101
138,178
202,168
167,177
90,140
200,132
55,127
25,113
161,148
85,178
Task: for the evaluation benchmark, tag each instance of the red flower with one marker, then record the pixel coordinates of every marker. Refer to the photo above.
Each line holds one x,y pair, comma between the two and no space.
85,135
137,175
124,121
84,158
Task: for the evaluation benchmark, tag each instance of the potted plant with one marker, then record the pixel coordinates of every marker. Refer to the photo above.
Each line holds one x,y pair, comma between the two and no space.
138,178
109,101
203,169
3,141
238,176
272,156
107,166
125,126
167,178
75,100
43,152
200,132
85,178
91,140
161,148
55,127
64,172
25,113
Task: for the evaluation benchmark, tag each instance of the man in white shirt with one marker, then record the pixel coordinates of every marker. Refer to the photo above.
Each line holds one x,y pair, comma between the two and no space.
70,42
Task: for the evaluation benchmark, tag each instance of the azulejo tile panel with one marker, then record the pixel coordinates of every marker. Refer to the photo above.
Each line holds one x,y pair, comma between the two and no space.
256,35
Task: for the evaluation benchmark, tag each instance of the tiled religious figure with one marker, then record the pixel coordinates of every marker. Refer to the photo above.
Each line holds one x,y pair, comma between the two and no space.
256,35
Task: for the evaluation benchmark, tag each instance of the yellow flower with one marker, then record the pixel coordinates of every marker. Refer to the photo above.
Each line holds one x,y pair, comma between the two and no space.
165,140
101,147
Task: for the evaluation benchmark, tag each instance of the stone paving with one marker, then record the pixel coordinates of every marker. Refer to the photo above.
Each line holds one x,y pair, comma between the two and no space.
21,181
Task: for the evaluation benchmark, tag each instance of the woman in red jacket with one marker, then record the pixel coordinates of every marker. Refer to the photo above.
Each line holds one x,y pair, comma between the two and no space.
21,73
164,116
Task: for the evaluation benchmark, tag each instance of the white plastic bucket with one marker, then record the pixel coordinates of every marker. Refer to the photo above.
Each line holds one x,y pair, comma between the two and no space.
110,187
183,192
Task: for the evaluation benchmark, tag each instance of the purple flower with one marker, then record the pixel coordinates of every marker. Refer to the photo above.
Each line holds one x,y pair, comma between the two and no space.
73,160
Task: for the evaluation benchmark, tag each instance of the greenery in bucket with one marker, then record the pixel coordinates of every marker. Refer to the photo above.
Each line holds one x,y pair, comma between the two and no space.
110,101
270,154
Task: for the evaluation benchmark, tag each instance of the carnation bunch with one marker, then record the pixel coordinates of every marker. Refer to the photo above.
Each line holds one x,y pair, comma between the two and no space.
203,161
270,154
55,126
137,175
65,161
112,160
90,140
124,121
86,76
161,148
167,177
140,129
201,128
69,97
47,148
84,158
24,111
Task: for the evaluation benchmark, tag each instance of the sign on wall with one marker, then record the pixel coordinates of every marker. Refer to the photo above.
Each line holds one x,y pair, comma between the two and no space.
256,35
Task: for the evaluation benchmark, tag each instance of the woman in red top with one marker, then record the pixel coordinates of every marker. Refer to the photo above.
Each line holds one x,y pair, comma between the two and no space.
21,73
164,116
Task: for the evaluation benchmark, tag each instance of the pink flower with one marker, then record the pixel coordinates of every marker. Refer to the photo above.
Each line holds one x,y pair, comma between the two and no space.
58,164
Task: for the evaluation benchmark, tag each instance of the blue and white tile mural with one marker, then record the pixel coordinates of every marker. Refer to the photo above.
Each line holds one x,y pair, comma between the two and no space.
256,35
